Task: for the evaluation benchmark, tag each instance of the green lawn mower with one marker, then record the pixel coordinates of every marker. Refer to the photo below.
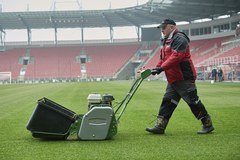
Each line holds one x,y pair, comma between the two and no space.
52,121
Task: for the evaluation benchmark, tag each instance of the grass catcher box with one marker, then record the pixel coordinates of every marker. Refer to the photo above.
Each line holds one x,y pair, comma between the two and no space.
50,120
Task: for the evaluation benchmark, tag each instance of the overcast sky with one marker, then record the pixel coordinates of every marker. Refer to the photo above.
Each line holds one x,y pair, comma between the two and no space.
68,34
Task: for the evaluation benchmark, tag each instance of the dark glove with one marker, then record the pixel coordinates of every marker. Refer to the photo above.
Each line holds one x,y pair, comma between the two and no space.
157,70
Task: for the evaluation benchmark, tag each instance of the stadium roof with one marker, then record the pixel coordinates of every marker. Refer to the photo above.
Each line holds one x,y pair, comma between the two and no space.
150,13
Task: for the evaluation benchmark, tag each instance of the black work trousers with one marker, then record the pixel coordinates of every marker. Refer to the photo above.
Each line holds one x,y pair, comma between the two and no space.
188,92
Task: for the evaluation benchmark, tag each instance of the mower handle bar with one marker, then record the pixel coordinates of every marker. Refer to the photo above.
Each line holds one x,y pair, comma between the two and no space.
131,92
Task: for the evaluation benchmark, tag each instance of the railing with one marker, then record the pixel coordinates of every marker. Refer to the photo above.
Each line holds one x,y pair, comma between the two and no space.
224,60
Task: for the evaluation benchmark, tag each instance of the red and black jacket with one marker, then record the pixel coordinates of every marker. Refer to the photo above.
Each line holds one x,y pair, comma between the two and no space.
175,58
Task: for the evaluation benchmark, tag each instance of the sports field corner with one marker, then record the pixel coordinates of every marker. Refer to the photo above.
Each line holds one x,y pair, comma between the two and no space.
132,141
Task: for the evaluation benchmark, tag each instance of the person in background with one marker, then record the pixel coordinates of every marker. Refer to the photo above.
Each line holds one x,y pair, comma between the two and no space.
214,74
220,75
175,61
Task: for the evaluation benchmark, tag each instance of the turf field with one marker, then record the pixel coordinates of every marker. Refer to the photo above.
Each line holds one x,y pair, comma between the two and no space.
18,101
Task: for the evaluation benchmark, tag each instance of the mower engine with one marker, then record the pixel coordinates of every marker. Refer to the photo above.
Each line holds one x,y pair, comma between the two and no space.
99,122
96,99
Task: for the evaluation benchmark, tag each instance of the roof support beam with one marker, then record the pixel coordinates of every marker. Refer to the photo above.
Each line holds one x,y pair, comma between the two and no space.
127,19
29,32
82,21
23,21
107,20
145,15
138,33
163,14
55,36
3,37
1,29
111,34
52,20
110,26
82,33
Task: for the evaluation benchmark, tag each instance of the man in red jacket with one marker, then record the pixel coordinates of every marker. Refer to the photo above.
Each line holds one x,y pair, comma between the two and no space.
175,61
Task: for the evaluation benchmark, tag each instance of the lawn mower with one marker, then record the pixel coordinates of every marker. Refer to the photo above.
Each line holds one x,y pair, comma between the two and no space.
53,121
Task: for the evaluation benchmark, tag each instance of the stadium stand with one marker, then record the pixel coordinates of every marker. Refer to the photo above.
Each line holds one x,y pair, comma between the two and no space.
151,63
63,62
206,49
104,61
53,62
10,61
209,53
201,50
107,60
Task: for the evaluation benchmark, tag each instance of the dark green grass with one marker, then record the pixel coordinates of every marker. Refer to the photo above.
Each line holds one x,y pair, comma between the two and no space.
17,103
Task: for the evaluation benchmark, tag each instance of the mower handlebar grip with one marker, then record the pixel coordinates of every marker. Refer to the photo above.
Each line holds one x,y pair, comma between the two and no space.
146,73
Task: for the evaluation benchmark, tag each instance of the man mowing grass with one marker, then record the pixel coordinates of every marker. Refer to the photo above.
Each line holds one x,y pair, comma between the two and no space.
175,60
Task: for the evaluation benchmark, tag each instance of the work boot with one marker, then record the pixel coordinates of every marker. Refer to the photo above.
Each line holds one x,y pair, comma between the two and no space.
159,127
207,125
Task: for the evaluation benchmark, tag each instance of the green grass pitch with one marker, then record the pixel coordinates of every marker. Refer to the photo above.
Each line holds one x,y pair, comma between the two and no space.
17,102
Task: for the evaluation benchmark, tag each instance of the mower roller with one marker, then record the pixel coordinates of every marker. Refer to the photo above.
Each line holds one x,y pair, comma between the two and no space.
50,120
